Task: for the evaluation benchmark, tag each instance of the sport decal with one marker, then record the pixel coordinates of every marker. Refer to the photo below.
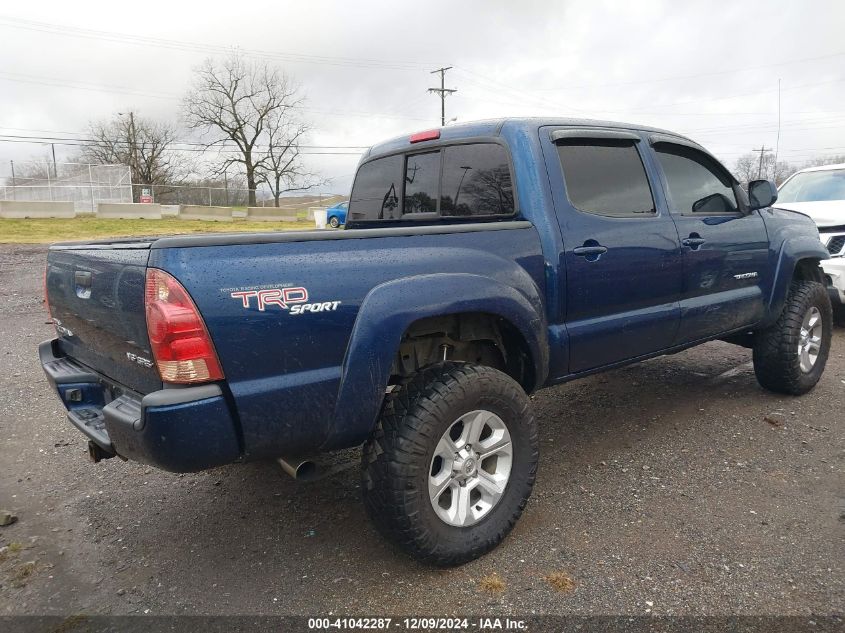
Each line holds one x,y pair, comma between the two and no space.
292,299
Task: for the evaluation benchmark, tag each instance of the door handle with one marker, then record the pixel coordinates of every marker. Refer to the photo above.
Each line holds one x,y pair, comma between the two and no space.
694,241
589,251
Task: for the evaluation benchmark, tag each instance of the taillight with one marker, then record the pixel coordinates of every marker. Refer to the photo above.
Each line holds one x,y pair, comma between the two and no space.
180,343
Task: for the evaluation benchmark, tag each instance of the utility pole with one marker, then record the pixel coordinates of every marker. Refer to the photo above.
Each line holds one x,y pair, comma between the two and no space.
443,91
14,184
55,171
133,148
763,149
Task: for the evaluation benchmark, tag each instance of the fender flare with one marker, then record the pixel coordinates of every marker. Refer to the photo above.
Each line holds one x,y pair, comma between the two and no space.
792,251
388,310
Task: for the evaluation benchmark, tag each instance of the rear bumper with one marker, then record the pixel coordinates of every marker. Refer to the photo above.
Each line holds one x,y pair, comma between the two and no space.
177,429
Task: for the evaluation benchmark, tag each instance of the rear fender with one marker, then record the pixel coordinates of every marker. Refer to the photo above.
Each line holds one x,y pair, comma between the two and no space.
385,315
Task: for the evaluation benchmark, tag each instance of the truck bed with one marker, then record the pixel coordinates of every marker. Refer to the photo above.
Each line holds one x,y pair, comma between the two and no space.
285,375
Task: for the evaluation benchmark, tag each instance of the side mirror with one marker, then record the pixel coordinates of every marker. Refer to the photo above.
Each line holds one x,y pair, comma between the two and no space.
761,194
714,203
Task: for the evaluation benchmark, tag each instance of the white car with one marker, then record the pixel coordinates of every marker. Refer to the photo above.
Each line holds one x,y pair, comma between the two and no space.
820,193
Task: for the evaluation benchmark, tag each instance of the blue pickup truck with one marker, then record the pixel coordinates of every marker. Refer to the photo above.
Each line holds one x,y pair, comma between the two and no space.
484,261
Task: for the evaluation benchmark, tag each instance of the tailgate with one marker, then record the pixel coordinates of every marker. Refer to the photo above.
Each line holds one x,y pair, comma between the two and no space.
96,296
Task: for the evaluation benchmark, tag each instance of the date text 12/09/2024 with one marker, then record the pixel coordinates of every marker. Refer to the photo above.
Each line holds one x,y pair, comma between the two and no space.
418,624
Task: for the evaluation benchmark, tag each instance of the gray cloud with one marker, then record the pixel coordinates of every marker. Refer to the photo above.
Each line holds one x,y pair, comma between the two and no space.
706,69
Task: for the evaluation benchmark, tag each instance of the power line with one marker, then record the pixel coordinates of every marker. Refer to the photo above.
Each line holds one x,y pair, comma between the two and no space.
695,76
521,98
125,38
74,137
443,91
196,147
49,81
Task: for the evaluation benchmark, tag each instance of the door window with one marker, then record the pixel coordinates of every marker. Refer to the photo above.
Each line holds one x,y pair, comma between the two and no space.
696,184
606,177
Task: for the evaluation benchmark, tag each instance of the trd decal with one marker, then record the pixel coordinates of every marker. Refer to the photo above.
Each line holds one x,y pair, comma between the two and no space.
271,296
294,300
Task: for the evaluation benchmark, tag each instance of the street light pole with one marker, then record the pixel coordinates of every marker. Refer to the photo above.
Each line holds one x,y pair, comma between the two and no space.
466,168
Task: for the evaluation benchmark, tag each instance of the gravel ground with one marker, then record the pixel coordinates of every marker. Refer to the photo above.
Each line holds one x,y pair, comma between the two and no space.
676,486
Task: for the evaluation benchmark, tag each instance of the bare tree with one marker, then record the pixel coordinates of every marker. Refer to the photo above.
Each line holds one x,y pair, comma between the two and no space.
824,160
748,168
280,166
250,104
143,144
34,169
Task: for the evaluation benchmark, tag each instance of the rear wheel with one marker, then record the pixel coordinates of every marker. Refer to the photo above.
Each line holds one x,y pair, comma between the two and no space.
334,222
790,356
452,462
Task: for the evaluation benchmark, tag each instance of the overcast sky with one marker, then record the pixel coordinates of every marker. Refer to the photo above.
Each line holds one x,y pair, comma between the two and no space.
707,69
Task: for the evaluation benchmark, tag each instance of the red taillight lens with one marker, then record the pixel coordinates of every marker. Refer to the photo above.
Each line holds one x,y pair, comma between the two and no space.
180,343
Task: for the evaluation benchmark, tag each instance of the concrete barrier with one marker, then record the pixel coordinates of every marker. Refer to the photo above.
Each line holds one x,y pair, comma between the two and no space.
196,212
170,210
31,209
270,214
312,210
128,211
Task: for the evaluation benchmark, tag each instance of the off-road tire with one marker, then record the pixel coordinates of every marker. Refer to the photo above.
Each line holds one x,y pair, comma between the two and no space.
397,460
776,362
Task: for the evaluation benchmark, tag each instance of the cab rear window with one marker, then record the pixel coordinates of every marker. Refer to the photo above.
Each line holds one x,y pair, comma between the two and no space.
468,180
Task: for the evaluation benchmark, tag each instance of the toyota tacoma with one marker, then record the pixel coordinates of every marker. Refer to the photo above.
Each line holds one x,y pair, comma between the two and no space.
483,262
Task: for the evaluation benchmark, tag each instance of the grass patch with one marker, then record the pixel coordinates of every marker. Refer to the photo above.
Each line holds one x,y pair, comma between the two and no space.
10,551
560,581
43,231
22,573
492,584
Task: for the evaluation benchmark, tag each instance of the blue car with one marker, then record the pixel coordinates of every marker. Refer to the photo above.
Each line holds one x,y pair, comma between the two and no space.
336,215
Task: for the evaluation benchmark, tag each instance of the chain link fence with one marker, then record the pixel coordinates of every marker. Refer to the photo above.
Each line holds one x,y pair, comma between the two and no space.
87,185
83,184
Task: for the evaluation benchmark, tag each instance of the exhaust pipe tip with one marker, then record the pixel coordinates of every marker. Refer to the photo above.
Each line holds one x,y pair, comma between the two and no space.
301,469
97,453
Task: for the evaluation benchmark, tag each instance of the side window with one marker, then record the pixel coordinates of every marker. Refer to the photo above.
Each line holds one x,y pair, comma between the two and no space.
696,185
375,194
476,181
422,177
606,177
